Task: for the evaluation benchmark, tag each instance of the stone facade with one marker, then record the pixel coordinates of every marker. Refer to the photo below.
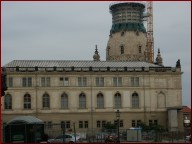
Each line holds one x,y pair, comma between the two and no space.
156,91
126,46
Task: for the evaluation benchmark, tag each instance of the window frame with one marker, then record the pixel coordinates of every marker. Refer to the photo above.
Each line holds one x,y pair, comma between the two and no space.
27,101
46,101
99,81
100,101
27,82
135,100
117,100
122,49
45,81
10,81
64,101
82,81
117,81
7,102
82,101
135,81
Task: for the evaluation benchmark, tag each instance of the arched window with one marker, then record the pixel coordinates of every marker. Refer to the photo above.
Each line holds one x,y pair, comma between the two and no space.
140,48
117,100
7,101
122,49
108,49
82,101
27,101
100,101
161,100
135,100
64,101
46,101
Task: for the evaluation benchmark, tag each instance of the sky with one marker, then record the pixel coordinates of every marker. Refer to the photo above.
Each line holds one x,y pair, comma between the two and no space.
70,31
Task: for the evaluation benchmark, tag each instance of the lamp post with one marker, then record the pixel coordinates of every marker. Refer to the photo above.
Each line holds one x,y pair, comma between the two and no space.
63,128
117,117
187,124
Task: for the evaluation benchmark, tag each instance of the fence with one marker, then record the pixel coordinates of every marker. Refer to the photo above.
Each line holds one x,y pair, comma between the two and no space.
99,135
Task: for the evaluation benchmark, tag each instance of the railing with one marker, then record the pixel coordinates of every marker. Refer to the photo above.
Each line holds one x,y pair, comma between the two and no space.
99,135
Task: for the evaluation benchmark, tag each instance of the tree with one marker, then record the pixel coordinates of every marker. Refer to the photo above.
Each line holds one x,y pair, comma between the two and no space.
110,126
3,82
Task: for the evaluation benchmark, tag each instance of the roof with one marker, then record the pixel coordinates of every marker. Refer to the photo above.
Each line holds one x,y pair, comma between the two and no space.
73,63
133,4
26,119
186,109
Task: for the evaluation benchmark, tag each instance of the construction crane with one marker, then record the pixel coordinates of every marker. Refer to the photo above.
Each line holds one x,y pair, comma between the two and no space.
150,39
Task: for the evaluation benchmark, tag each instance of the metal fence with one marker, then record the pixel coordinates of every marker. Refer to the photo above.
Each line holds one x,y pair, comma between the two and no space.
99,135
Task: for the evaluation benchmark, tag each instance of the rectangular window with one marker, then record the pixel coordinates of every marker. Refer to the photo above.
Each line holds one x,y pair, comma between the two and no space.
117,81
98,124
133,123
82,81
10,82
115,122
65,124
138,123
24,82
103,123
86,124
121,123
99,81
64,81
27,82
150,122
45,81
49,125
155,122
68,124
134,81
80,124
83,124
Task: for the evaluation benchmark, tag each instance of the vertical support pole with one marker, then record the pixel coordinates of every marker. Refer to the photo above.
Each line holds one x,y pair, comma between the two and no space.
118,131
74,131
63,127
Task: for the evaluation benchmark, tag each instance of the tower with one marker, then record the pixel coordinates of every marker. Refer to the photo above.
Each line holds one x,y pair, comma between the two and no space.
128,37
96,56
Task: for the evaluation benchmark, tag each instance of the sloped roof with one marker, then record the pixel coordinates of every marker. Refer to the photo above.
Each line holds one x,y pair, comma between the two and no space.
186,109
26,119
65,63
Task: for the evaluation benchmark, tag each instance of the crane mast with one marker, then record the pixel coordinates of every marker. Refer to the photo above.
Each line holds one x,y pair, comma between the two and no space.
150,40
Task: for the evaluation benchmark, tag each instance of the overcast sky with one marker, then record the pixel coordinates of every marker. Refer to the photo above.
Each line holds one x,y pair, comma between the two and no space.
70,31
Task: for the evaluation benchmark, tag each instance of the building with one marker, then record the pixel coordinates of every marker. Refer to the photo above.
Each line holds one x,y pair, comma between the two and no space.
88,93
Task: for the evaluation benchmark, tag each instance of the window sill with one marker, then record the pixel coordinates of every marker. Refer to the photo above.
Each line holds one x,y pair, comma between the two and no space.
46,108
